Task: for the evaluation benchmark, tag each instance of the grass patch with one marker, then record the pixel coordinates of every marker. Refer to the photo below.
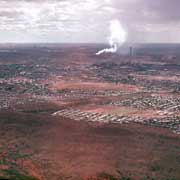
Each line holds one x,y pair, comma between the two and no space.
105,176
18,155
14,174
155,167
3,162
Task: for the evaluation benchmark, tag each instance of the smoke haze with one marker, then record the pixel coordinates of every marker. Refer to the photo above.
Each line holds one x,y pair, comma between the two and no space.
117,37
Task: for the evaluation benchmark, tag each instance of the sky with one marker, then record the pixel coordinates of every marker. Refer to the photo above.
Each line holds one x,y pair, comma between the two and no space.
87,21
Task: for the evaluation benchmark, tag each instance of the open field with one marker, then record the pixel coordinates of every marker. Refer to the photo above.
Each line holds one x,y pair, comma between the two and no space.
52,147
66,113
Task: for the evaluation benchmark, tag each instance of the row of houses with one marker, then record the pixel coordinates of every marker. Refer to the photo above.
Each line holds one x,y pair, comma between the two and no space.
171,122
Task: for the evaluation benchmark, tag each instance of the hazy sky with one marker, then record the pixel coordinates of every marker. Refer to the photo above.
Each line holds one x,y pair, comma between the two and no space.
88,20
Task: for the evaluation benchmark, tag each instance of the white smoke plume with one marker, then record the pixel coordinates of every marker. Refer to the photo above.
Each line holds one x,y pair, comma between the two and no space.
117,37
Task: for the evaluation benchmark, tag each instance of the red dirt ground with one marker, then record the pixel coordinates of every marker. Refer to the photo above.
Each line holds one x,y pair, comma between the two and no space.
93,86
66,148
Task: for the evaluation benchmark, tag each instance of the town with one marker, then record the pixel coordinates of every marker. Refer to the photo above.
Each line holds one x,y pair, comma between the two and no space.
58,94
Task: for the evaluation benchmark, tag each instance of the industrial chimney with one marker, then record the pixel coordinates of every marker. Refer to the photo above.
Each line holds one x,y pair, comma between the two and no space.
130,51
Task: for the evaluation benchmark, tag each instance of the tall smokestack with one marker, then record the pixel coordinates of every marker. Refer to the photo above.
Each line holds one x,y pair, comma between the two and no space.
130,51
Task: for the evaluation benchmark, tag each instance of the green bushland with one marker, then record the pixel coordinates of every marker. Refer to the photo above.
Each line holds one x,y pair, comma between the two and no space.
14,174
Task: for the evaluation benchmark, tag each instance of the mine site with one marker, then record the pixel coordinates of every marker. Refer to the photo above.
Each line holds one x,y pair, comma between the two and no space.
69,114
89,90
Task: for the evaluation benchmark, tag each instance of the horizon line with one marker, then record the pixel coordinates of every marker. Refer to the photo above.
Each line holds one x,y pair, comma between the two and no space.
102,43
